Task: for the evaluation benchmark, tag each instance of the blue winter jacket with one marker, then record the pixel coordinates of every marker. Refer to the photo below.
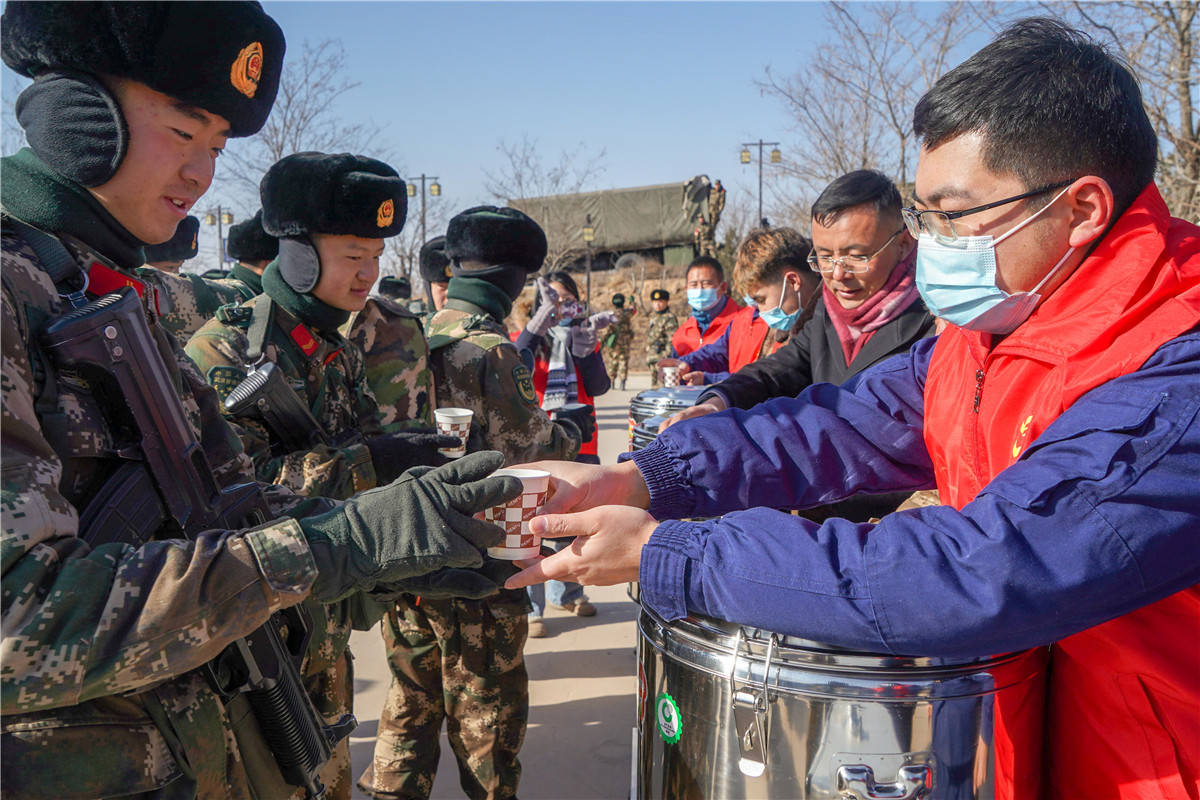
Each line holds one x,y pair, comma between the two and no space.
1008,572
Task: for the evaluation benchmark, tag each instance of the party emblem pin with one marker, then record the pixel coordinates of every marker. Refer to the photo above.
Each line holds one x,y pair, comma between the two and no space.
386,213
247,69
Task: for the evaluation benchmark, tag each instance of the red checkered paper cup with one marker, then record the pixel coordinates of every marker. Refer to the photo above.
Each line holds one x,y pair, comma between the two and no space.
669,376
454,422
514,515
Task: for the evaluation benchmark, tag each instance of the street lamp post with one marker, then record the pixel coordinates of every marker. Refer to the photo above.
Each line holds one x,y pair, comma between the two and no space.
589,236
220,218
776,157
435,190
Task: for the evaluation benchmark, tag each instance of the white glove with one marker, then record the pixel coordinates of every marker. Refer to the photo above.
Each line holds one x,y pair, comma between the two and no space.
583,339
602,320
547,313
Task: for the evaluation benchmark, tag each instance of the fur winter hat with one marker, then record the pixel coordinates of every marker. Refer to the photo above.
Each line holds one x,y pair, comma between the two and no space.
180,247
249,242
496,237
435,267
308,193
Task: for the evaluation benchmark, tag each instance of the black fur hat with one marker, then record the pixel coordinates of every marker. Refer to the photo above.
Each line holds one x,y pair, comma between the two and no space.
307,193
223,57
249,242
396,287
660,294
496,237
618,300
435,267
180,247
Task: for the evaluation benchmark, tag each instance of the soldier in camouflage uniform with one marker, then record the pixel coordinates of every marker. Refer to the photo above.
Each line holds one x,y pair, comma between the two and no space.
618,340
435,271
185,301
101,693
253,248
326,264
455,659
661,328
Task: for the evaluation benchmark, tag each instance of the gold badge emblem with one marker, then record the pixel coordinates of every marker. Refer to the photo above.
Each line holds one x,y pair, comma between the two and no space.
386,213
247,69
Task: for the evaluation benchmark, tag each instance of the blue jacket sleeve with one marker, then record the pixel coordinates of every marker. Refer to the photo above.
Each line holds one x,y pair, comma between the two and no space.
829,443
1097,518
592,373
712,357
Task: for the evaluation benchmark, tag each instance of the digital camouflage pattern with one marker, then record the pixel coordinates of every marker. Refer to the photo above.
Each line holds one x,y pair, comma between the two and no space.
663,325
456,659
475,366
616,345
101,645
336,393
332,380
396,363
187,301
462,659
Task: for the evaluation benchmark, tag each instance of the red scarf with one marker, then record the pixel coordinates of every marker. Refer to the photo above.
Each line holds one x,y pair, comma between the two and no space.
854,326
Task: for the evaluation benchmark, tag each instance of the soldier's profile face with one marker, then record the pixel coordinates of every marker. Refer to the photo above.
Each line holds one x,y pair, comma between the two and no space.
349,267
169,163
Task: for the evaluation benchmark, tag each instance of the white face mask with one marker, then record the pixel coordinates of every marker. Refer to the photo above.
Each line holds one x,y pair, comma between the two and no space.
957,281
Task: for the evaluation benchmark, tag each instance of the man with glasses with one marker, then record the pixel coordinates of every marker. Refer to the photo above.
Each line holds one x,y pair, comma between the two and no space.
1058,415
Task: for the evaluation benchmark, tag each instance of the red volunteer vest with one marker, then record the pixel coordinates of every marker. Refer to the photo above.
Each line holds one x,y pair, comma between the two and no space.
688,336
747,332
541,373
1123,699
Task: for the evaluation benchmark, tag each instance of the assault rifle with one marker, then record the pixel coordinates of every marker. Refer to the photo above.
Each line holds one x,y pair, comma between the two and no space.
108,343
265,393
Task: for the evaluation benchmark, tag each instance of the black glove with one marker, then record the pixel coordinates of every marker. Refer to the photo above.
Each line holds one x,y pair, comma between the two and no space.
420,523
582,416
473,584
393,453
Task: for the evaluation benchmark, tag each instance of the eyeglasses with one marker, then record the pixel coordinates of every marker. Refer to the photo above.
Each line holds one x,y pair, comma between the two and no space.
851,264
940,224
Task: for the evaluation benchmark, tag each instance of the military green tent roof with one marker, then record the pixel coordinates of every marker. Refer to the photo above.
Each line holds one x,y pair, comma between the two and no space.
638,218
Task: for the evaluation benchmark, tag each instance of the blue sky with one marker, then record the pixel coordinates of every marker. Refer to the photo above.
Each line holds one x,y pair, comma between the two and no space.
667,89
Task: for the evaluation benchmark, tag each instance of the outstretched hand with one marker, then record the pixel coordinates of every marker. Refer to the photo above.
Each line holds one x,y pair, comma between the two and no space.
607,547
578,487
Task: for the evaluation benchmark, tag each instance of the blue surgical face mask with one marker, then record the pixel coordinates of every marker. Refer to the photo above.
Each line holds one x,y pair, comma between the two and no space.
702,299
776,318
957,281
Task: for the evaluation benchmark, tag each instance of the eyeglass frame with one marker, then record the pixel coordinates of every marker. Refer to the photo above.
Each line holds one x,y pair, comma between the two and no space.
814,260
912,216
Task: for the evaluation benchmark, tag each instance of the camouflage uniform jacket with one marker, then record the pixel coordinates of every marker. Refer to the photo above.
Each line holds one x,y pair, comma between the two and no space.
326,370
663,325
622,332
475,366
397,363
186,301
101,645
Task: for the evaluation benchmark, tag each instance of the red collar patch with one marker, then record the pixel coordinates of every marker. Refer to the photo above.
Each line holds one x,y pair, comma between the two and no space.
304,339
102,280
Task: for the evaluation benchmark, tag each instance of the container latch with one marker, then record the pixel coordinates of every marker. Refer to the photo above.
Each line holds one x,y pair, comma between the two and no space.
751,712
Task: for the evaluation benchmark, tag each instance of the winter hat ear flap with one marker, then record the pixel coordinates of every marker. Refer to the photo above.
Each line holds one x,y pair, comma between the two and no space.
73,123
299,264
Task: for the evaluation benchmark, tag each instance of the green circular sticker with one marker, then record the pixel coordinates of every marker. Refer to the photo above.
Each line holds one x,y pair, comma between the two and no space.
670,722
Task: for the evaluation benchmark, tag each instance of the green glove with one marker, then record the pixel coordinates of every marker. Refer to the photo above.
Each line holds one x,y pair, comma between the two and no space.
473,584
420,523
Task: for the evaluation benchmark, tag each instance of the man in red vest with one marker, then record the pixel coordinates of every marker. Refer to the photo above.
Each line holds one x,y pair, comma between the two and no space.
1058,415
712,308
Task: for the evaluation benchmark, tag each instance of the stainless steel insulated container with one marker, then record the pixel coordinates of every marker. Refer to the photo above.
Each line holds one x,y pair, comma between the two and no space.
660,403
729,713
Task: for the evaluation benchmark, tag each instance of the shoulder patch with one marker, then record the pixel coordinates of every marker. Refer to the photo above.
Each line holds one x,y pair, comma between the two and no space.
524,382
225,379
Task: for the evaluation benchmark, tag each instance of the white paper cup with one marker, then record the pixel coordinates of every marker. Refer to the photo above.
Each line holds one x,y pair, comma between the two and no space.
669,376
514,516
454,422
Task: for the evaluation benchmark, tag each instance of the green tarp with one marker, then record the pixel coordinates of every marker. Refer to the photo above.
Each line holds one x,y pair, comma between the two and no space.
639,218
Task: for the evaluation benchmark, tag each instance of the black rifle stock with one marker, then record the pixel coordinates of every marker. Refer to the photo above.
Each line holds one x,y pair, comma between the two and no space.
266,394
109,343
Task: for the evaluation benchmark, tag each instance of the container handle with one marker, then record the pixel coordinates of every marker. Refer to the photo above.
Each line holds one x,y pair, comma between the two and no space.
857,782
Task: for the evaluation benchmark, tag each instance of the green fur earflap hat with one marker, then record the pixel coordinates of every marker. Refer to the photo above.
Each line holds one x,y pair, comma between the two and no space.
222,57
339,194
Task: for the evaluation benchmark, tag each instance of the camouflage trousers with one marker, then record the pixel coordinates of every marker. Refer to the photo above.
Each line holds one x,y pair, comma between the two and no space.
332,694
618,364
452,660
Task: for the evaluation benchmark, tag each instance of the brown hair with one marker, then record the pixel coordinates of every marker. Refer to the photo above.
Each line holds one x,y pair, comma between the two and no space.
766,253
